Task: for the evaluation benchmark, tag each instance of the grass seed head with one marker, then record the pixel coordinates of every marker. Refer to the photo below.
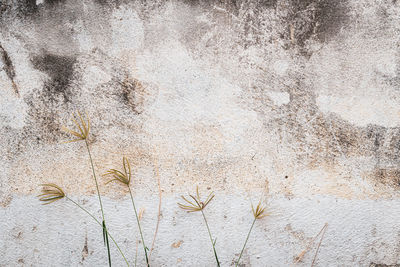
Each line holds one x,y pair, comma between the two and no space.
51,193
260,211
123,176
196,204
83,128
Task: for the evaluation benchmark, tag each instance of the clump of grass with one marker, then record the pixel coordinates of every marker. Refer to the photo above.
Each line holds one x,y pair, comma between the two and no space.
52,192
82,134
198,205
124,177
258,213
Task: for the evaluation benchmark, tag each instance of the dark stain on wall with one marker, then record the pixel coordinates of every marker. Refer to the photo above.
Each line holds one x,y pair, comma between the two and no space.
372,264
331,17
389,177
13,9
314,19
319,139
235,5
25,8
47,103
9,68
53,2
294,22
44,122
131,89
60,70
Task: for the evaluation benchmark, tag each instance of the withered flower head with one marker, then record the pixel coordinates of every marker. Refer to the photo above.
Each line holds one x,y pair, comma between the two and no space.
121,176
82,132
197,204
259,212
51,193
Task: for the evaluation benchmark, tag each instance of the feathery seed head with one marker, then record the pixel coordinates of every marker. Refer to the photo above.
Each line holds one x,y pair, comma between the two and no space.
259,212
196,204
83,128
50,193
123,176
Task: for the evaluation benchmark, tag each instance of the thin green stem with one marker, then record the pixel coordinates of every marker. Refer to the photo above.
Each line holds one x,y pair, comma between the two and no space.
95,178
140,229
211,239
247,238
99,223
105,232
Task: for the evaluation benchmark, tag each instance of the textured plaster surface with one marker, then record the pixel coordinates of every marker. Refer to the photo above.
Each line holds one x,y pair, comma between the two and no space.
295,101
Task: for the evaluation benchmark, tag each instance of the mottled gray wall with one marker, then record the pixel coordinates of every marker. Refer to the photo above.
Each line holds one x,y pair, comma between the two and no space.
297,101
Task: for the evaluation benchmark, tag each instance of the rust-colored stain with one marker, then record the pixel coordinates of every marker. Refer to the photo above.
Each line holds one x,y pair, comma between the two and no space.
85,250
177,244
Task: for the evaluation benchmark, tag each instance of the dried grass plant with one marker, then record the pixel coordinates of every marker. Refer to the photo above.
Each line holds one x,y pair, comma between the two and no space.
52,192
191,203
82,134
124,177
258,213
196,204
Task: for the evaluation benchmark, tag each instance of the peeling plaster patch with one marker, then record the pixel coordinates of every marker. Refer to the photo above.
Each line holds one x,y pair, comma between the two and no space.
27,77
189,90
355,77
281,67
279,98
12,111
95,76
322,182
191,95
362,111
83,37
127,31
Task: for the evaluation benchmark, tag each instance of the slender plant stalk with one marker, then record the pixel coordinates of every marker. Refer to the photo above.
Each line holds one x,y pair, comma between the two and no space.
99,223
105,232
245,242
159,208
211,239
301,255
319,244
137,244
95,178
140,229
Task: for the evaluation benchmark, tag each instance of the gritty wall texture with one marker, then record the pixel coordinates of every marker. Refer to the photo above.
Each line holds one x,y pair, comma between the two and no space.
294,100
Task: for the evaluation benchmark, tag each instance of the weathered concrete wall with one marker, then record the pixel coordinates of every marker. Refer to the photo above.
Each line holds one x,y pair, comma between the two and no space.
294,100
